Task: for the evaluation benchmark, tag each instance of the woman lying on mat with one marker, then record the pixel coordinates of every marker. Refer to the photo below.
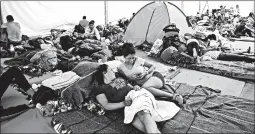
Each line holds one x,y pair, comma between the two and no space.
134,69
5,80
112,91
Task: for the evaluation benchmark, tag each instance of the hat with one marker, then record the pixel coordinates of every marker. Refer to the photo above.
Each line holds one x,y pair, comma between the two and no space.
199,35
171,34
171,27
192,40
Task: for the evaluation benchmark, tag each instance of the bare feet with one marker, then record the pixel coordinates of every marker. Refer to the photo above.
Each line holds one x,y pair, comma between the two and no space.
180,100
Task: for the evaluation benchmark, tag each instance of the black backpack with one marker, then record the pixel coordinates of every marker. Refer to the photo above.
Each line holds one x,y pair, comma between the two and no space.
79,29
44,94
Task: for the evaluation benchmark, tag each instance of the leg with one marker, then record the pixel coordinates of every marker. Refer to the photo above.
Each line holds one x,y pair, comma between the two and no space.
149,124
9,75
241,52
235,57
137,123
153,85
208,49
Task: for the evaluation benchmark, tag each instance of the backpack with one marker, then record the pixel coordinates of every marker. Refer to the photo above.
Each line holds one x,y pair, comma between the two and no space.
79,29
44,94
66,42
47,59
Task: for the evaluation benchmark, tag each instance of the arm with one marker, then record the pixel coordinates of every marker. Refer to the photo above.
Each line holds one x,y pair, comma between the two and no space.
87,31
97,34
18,25
150,66
101,98
123,75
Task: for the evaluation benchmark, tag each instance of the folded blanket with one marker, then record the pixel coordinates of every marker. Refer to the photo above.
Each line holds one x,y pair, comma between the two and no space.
63,80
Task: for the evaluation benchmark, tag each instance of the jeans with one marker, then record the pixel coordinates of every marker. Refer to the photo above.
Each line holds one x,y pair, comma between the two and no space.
5,80
235,57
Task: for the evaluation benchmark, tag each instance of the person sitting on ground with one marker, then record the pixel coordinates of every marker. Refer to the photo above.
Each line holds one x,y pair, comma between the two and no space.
250,24
100,30
91,31
233,56
13,31
5,80
134,70
111,94
237,10
222,12
241,30
84,23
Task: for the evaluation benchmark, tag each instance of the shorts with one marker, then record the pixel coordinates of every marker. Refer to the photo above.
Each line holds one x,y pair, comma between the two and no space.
159,75
155,74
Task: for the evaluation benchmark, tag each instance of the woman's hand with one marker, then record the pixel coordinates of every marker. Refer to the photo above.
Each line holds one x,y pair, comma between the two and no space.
137,88
142,75
135,76
128,101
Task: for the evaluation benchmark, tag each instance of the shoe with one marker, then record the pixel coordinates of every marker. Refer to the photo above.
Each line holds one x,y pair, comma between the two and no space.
249,50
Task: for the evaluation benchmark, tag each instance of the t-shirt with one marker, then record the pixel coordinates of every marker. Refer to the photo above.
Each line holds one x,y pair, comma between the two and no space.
137,68
115,91
84,23
94,31
13,30
212,54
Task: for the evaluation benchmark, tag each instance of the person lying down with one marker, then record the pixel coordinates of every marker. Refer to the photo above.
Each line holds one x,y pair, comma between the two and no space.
140,107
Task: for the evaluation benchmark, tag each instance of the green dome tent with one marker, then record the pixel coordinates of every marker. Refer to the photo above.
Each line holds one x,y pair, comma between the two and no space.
148,23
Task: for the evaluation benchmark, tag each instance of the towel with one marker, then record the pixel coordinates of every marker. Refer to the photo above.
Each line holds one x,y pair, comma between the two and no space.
144,100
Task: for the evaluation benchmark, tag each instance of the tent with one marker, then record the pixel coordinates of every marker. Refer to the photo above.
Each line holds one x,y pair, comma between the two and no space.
148,23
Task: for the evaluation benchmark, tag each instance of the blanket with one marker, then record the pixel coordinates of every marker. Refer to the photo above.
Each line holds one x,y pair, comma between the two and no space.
205,112
232,69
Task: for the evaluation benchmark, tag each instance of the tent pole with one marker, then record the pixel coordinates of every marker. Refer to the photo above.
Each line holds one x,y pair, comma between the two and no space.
1,17
182,5
199,7
106,12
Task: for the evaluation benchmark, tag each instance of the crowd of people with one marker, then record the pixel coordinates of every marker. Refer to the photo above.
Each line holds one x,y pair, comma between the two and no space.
148,81
134,73
227,21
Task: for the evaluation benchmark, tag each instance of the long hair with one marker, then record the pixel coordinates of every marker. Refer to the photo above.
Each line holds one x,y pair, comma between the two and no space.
98,75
